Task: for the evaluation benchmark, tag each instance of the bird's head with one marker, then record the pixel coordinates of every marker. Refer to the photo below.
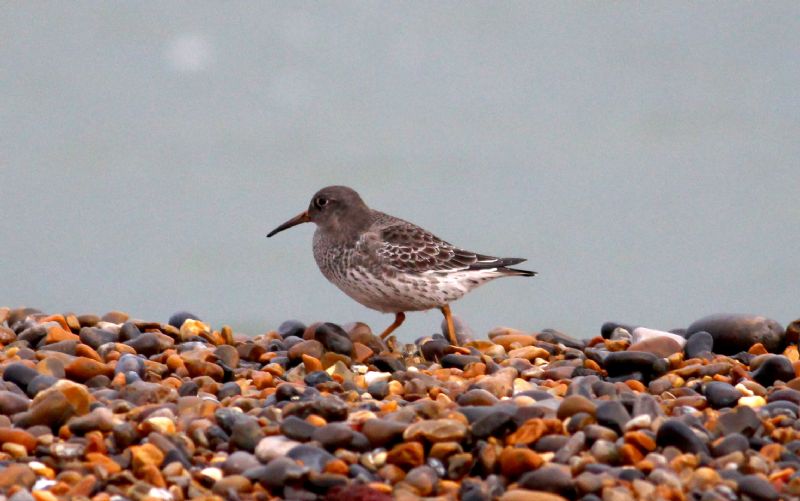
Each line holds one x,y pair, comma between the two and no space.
335,209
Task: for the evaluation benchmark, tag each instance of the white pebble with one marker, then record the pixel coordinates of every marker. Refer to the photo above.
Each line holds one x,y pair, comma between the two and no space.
375,377
643,333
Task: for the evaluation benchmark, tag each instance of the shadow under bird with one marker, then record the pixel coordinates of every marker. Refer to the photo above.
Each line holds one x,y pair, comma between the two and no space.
391,265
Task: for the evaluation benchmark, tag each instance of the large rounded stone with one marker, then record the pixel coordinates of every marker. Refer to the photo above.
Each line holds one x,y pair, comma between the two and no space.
733,333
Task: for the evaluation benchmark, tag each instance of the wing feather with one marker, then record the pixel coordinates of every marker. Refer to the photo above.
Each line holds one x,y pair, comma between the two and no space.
409,248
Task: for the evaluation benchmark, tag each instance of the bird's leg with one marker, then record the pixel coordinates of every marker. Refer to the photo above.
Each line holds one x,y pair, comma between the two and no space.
451,330
399,317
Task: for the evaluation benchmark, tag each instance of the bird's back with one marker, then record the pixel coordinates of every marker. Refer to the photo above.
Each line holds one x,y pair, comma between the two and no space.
397,266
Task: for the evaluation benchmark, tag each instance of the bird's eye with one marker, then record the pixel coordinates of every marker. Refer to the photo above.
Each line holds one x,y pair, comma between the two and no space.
321,202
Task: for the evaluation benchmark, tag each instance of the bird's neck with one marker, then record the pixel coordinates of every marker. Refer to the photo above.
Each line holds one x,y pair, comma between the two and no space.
346,230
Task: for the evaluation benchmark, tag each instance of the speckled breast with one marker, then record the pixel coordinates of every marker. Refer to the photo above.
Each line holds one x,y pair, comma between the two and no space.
383,288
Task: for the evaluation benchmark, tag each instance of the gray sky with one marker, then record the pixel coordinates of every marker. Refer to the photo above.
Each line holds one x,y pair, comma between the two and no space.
644,157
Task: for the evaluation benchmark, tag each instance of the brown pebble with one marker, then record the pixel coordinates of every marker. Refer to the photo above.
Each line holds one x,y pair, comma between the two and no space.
381,432
57,333
532,430
60,319
361,352
406,455
115,317
235,483
391,473
442,450
512,341
228,355
423,479
515,461
17,436
7,336
88,320
527,495
310,347
103,462
82,369
151,474
145,454
436,430
661,346
16,474
530,353
311,364
83,488
55,405
574,404
641,440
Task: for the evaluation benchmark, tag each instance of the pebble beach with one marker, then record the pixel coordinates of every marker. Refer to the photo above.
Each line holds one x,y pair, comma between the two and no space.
108,407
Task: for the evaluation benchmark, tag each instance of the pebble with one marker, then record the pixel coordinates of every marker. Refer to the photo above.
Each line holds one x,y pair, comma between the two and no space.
772,368
334,436
239,462
101,407
12,403
659,346
729,444
551,478
677,434
177,319
333,338
612,414
437,430
628,362
757,488
382,432
699,344
720,394
274,446
313,457
297,429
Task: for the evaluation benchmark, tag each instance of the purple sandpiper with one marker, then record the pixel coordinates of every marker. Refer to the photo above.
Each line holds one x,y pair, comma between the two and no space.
391,265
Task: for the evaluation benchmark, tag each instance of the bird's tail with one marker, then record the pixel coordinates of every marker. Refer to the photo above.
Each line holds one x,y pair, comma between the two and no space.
516,272
501,265
513,272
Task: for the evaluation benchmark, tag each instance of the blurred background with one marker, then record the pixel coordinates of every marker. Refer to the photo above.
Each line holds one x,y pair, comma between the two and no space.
644,158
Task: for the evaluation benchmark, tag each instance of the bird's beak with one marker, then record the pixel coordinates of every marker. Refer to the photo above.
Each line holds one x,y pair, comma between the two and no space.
298,219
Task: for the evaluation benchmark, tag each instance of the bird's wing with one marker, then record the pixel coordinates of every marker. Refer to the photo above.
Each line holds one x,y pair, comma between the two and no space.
410,248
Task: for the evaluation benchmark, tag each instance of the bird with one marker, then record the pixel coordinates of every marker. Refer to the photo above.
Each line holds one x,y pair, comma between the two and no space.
391,265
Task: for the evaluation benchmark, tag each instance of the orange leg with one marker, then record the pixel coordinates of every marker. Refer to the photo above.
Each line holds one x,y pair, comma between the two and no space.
399,318
451,330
